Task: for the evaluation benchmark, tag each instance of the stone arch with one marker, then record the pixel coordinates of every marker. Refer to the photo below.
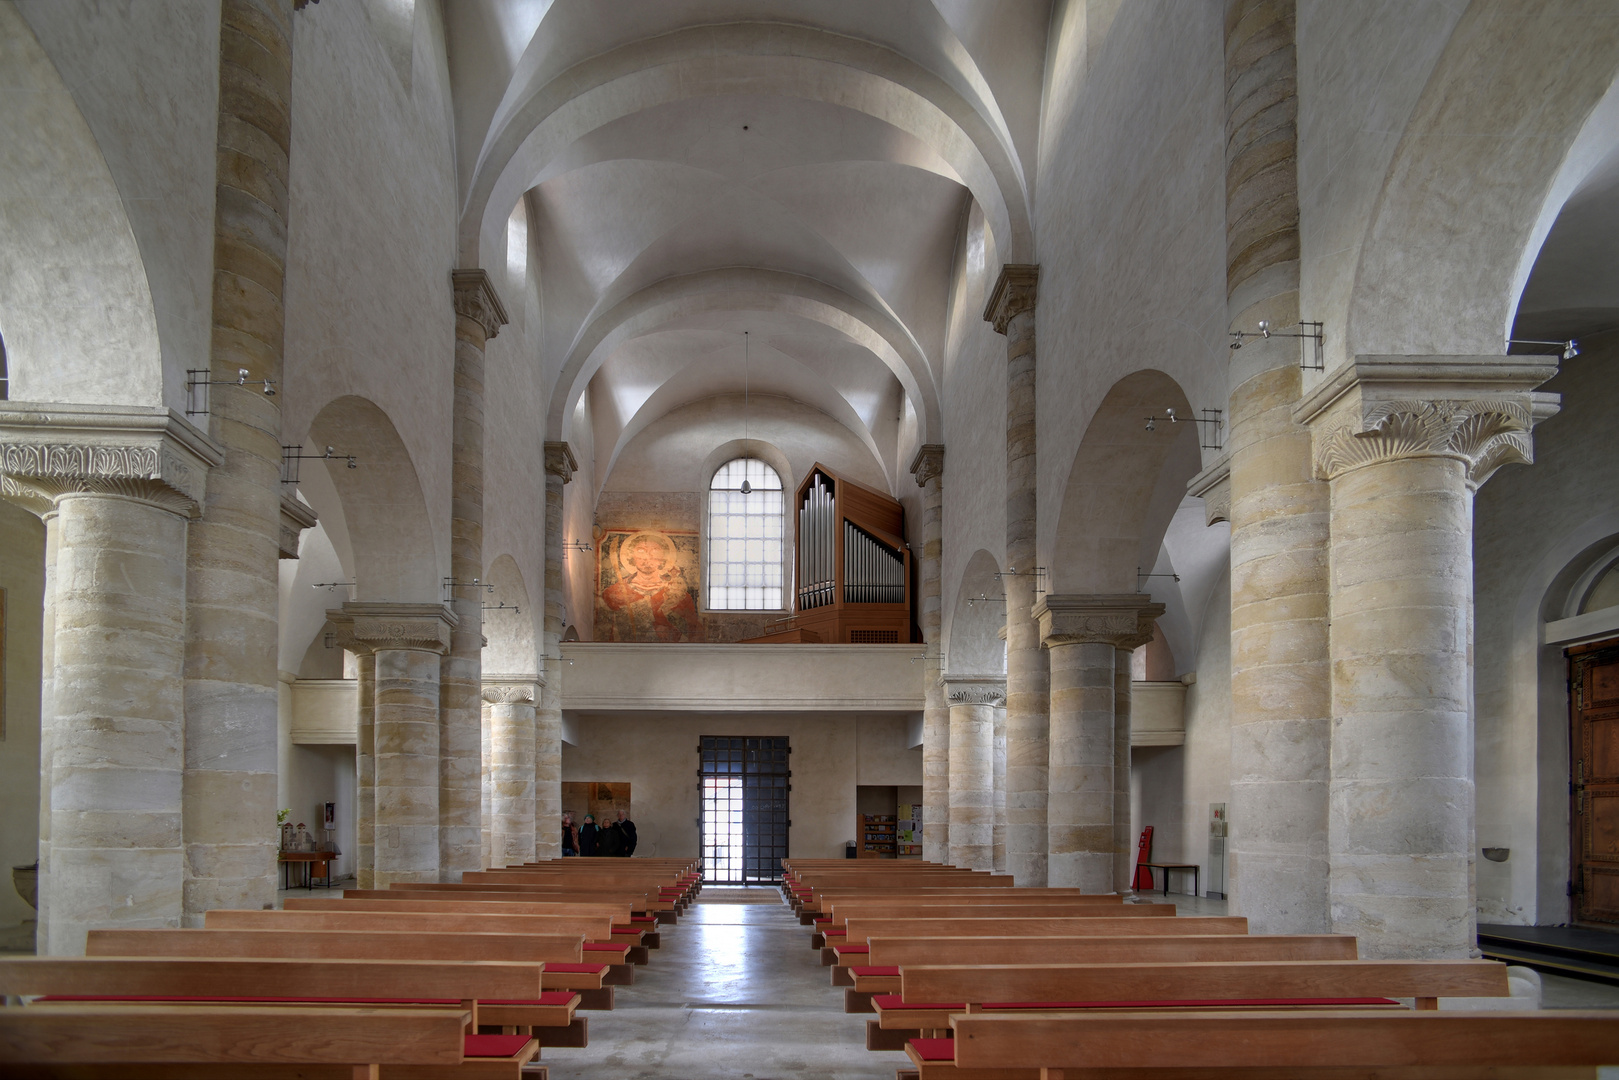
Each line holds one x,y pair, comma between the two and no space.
1474,200
974,645
512,638
74,296
745,289
737,448
382,503
1123,487
765,58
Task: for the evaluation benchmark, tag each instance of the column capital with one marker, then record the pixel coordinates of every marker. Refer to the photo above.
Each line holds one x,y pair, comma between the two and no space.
928,464
367,626
559,460
975,689
1479,410
295,518
146,453
1013,294
513,689
1213,486
1123,620
476,299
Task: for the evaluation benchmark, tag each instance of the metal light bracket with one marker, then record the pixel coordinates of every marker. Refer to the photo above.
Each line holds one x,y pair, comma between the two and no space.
199,397
1313,331
1211,430
292,455
503,606
1570,348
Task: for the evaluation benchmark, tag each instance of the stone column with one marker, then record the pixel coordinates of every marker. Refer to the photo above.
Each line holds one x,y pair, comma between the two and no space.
1404,442
116,486
973,701
511,700
1280,703
1124,847
1011,311
365,768
478,316
1083,633
928,468
233,554
559,469
47,713
486,835
408,642
1000,784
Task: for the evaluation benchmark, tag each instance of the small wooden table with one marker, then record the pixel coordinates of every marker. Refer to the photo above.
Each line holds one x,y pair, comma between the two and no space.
1166,867
308,861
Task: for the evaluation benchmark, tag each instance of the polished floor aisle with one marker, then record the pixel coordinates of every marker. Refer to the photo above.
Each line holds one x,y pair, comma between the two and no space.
735,993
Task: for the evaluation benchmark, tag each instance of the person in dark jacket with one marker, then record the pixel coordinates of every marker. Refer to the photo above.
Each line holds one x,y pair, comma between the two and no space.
627,827
610,840
589,836
570,836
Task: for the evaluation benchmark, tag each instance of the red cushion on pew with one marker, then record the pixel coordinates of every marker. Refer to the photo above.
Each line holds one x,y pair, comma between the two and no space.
492,1046
605,946
823,918
934,1049
853,948
835,933
626,929
875,972
547,997
577,969
1189,1003
893,1001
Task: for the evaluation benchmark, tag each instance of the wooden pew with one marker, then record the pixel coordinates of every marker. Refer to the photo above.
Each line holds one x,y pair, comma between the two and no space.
562,954
891,953
930,995
622,928
857,929
597,932
196,1042
1331,1045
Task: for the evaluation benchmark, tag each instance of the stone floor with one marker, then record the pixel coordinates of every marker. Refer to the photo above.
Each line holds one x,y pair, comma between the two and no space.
735,993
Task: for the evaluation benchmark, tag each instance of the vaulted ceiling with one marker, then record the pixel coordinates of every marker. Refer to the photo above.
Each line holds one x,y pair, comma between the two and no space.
801,170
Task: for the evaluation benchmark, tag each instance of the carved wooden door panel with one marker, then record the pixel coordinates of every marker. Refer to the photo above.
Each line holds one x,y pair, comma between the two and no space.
1595,788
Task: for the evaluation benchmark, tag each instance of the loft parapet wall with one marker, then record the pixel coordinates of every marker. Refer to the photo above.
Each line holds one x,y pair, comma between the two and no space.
670,677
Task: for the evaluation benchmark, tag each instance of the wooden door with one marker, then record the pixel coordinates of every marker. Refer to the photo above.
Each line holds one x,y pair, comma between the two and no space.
1594,680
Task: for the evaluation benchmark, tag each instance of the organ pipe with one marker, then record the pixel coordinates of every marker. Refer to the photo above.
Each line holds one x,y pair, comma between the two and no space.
873,572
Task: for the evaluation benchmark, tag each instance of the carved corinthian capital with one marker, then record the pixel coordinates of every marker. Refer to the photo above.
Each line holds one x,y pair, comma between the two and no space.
512,689
1477,410
928,463
476,299
559,460
975,689
1123,620
1013,294
151,454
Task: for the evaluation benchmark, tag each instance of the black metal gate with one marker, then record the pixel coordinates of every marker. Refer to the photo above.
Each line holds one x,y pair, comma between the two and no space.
742,789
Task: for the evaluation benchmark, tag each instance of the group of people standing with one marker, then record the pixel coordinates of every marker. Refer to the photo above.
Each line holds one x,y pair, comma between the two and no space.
616,838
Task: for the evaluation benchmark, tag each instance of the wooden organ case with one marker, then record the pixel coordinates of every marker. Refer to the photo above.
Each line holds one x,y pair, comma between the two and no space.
853,568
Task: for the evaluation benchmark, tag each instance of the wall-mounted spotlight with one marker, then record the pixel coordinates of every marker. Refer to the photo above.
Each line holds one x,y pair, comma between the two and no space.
450,584
1211,426
1570,348
331,586
1140,577
1313,331
292,455
199,397
503,606
559,659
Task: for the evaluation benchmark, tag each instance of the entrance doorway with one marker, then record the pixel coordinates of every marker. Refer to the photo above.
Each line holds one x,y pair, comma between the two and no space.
742,789
1594,755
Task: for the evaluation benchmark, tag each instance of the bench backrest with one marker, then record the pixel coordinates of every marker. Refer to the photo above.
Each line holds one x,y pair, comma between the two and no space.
493,905
1042,926
952,910
236,977
618,906
1246,979
898,951
337,945
407,921
1488,1041
168,1034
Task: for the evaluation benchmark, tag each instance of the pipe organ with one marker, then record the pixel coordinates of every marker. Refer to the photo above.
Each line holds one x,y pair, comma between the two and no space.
854,570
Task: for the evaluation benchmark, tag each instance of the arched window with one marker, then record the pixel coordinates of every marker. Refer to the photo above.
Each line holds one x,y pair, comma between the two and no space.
745,556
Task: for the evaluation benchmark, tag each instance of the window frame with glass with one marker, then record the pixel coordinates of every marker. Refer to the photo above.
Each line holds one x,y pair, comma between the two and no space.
739,497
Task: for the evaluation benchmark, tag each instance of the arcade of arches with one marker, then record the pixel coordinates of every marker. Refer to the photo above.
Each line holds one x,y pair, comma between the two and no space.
377,372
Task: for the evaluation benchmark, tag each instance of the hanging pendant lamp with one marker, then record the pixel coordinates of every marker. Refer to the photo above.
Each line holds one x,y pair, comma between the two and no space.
746,487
